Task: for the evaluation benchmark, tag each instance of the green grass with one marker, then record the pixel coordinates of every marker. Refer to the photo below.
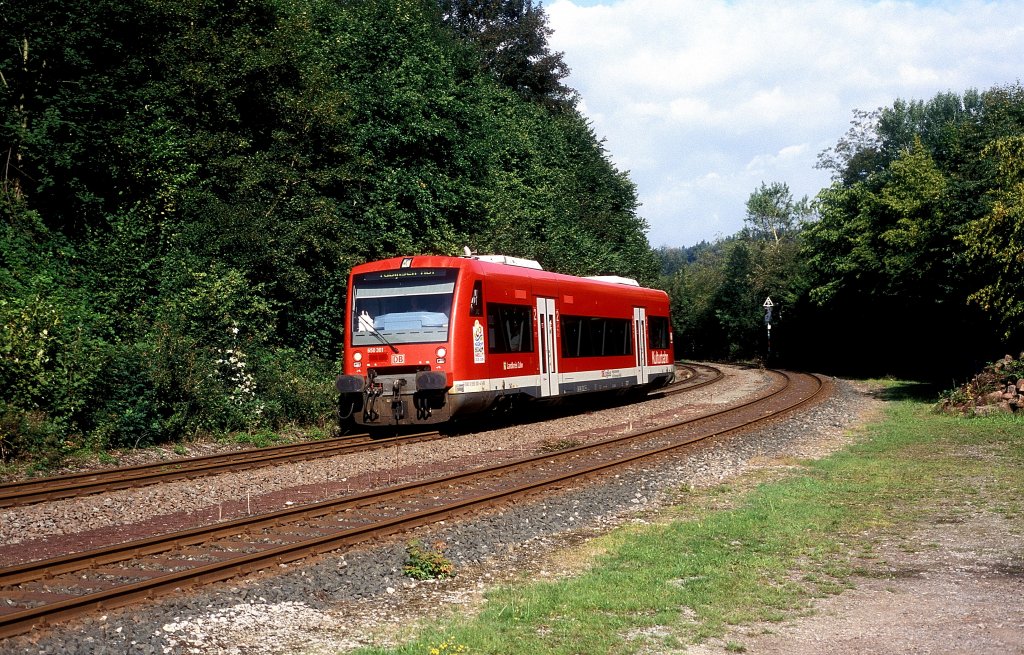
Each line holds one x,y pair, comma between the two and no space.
256,439
265,437
774,546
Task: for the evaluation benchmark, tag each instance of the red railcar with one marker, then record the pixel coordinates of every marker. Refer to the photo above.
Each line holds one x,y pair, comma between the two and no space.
428,338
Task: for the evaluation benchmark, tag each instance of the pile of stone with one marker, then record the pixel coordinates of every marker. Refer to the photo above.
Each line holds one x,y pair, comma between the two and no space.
999,388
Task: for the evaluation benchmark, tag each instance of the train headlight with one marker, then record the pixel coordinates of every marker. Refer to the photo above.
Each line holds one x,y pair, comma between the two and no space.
358,357
441,352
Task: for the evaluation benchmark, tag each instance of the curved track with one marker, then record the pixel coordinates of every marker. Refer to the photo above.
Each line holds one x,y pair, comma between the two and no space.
697,376
92,482
57,589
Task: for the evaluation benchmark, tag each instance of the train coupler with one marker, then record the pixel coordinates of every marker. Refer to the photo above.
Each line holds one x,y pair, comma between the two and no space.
373,392
397,405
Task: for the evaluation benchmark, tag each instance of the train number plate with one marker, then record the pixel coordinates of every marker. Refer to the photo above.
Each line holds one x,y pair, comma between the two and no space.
398,359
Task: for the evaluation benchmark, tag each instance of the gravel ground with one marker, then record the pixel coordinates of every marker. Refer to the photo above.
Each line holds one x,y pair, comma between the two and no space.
359,597
160,508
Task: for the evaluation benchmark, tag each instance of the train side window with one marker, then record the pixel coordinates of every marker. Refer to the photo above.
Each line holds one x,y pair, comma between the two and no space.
476,301
618,337
573,334
509,328
584,336
658,329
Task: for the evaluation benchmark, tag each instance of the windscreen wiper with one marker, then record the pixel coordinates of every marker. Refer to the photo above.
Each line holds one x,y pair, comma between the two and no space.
380,336
366,323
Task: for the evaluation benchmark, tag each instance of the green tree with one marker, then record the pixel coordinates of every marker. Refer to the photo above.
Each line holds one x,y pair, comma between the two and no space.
691,290
511,40
995,241
915,238
551,194
910,181
774,226
773,215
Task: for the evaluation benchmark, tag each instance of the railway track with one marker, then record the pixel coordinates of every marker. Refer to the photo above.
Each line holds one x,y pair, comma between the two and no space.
92,482
697,376
38,490
60,588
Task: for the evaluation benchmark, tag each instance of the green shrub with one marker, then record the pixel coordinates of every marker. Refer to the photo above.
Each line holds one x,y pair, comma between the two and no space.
27,432
295,388
200,345
128,412
52,358
427,563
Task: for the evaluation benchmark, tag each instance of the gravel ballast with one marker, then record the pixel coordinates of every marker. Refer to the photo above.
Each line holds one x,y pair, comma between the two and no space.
341,601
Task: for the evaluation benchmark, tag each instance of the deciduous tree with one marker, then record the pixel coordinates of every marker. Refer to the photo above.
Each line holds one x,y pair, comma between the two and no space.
511,38
995,241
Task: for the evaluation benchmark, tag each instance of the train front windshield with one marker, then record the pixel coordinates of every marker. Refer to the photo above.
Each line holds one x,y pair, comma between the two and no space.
409,305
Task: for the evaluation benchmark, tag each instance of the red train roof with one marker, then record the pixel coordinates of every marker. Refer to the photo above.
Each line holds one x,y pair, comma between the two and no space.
488,265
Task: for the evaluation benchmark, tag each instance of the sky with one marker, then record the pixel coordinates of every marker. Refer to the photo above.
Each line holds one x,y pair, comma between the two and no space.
702,101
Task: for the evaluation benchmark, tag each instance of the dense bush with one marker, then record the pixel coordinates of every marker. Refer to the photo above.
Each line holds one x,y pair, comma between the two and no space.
189,185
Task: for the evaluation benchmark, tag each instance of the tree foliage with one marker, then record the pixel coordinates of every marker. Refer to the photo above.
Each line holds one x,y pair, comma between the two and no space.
773,215
719,292
511,39
995,241
909,262
187,185
914,184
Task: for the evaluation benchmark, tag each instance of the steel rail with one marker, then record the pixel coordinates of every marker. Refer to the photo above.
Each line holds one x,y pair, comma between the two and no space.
688,384
19,573
38,490
21,621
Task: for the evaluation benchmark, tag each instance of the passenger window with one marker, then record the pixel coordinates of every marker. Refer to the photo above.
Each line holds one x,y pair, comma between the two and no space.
509,328
584,336
659,330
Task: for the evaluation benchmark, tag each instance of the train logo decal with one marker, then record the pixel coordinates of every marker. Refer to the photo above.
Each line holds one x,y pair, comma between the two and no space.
659,358
478,343
512,366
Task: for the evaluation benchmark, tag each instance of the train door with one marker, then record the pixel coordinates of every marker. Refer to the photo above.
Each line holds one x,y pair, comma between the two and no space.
548,347
640,343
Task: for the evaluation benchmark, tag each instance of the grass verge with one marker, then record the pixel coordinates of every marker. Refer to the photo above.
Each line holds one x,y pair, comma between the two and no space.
772,549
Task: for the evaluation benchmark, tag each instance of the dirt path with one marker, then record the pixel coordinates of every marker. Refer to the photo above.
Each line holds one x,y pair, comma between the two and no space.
954,586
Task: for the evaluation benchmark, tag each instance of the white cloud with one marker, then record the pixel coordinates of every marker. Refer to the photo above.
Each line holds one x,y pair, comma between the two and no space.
702,100
789,155
689,111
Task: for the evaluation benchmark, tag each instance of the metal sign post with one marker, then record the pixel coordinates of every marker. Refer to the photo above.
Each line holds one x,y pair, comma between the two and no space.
768,304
